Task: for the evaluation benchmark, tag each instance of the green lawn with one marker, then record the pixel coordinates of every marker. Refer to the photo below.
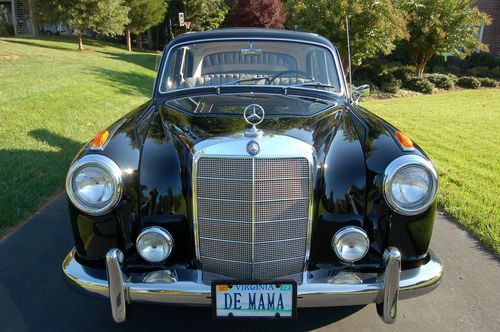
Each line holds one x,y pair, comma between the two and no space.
53,99
460,133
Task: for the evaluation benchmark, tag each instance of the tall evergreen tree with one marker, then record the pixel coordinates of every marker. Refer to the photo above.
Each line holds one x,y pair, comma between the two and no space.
259,14
143,15
107,17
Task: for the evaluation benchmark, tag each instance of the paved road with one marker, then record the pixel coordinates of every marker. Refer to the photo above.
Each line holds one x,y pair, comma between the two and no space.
34,296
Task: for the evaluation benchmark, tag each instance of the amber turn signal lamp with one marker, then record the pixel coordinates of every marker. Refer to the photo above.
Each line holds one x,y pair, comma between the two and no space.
405,142
99,141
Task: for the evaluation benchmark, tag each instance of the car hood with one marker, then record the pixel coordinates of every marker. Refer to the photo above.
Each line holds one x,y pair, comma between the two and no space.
195,119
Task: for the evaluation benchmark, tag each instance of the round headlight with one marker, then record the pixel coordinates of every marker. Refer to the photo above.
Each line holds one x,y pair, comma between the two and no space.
410,184
93,184
155,244
350,244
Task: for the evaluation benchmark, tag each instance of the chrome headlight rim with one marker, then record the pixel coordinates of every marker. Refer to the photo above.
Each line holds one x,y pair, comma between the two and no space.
164,233
104,163
392,170
343,232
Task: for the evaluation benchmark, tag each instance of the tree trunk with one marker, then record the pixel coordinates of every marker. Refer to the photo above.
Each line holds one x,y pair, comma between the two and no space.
139,41
421,69
150,39
80,41
129,40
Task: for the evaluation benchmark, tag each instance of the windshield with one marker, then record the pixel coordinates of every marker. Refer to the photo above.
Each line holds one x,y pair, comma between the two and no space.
234,104
273,63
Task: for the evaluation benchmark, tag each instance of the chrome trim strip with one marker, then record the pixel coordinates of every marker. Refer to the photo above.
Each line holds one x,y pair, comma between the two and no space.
340,72
253,201
246,222
249,263
253,216
194,181
253,240
248,180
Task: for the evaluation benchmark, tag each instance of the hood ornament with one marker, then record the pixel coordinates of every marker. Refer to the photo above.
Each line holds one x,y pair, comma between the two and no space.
254,115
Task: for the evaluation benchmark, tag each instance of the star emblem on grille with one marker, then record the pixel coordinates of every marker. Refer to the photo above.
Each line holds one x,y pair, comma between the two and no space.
253,147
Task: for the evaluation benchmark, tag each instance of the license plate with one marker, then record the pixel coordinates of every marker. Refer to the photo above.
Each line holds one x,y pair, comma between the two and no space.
253,300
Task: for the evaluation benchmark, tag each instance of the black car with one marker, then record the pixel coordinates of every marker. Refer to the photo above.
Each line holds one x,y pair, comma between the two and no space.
252,181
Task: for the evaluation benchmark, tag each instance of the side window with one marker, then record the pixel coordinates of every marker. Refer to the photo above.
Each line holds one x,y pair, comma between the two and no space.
180,67
318,67
173,74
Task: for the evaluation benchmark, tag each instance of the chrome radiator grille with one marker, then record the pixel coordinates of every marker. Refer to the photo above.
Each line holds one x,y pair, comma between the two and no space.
252,216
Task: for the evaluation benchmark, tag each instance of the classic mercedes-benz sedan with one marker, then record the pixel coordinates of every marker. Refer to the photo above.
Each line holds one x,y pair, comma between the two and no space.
254,183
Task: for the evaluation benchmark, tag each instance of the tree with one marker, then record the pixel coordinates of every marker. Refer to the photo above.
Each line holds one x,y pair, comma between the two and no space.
205,14
259,13
374,25
143,15
442,26
107,17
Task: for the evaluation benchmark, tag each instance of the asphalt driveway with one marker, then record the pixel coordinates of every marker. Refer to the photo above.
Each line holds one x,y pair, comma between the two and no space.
34,296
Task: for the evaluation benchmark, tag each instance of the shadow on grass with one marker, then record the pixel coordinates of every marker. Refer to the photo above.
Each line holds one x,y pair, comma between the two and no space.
129,83
72,42
147,60
28,177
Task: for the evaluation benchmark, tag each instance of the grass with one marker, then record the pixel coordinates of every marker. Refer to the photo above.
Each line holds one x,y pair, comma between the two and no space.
53,99
460,133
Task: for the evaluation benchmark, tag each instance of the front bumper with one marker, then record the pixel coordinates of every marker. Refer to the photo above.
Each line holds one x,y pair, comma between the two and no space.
323,287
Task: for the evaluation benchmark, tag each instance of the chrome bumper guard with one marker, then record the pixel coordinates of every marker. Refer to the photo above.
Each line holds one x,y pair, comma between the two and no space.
319,288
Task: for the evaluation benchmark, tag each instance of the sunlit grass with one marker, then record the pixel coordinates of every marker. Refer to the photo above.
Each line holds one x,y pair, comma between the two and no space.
53,99
460,133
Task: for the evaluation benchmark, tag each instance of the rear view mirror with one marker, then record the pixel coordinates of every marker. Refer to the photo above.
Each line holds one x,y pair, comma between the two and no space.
251,50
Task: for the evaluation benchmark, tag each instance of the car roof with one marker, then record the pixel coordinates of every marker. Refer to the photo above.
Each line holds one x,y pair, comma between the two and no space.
250,33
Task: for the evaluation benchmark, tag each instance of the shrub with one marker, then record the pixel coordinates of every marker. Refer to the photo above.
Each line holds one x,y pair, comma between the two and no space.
6,29
468,82
441,81
452,69
496,72
404,73
453,78
371,71
481,71
488,82
389,83
419,84
438,69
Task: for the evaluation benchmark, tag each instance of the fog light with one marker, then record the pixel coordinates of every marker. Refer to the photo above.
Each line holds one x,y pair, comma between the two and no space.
155,244
350,244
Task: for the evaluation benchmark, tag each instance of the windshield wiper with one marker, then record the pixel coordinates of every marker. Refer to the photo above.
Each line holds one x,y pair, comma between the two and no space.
249,79
314,84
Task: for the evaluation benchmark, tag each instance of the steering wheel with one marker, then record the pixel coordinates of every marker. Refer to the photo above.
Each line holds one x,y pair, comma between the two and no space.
297,72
